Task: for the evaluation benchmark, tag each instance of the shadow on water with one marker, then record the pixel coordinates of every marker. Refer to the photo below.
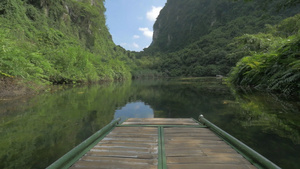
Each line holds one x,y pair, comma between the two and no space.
35,132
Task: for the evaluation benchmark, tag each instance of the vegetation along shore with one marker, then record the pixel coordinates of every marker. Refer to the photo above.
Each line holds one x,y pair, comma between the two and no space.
255,43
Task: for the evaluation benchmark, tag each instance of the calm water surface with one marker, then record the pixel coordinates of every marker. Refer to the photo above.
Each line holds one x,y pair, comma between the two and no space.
35,132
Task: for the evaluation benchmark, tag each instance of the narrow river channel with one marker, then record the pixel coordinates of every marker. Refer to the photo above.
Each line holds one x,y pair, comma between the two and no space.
35,132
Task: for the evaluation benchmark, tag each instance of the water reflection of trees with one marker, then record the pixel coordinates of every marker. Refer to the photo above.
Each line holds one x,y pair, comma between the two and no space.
272,113
186,97
40,130
191,97
45,127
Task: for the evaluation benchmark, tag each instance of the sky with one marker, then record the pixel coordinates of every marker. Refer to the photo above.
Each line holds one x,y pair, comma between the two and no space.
130,22
134,110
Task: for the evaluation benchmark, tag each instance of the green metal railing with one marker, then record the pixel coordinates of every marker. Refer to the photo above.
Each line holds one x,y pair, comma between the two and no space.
251,155
162,159
76,153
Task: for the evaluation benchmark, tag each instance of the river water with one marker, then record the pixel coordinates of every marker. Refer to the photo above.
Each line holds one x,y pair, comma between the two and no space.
35,132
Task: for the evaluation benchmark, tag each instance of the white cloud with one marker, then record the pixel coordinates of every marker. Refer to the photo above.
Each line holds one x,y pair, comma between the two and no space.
123,44
136,36
135,45
153,14
147,32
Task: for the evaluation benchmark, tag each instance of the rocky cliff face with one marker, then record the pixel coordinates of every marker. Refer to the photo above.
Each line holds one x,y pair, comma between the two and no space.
181,23
182,20
197,37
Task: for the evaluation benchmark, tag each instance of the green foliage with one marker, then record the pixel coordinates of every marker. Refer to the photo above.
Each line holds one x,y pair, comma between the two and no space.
273,61
146,66
251,44
59,42
19,59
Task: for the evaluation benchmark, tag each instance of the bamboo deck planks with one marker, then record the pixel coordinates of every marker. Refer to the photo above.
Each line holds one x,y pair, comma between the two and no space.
199,149
124,147
145,146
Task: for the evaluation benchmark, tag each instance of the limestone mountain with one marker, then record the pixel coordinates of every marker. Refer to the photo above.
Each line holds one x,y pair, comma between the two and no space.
192,37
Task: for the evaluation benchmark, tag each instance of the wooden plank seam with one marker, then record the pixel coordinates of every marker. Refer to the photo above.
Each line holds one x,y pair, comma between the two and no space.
163,152
162,160
160,163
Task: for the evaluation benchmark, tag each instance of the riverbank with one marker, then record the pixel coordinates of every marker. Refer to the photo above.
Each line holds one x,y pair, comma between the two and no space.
15,87
12,88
